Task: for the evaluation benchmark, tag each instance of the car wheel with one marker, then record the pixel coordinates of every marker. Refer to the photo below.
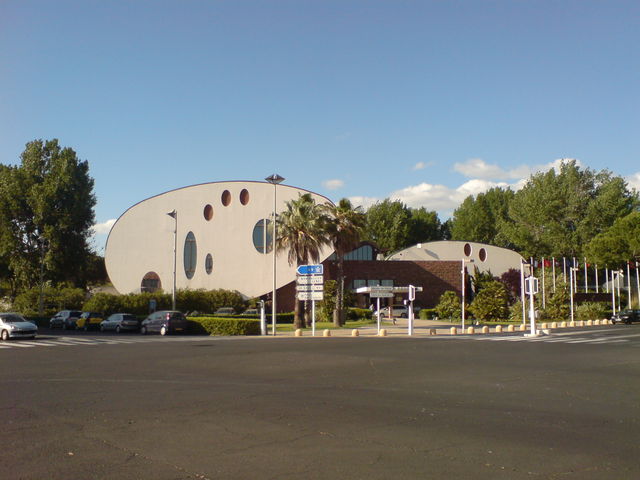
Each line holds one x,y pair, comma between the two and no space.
5,335
143,330
163,330
117,328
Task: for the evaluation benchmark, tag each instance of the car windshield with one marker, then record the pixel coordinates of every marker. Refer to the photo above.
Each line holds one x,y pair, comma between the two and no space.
129,317
12,319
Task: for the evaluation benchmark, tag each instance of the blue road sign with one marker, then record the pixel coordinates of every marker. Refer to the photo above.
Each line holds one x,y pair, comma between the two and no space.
310,270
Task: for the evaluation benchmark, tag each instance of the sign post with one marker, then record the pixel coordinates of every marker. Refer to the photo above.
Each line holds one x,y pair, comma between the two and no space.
378,292
412,297
310,286
531,287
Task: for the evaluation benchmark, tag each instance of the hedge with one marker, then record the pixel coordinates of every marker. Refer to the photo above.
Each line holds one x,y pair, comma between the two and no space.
224,326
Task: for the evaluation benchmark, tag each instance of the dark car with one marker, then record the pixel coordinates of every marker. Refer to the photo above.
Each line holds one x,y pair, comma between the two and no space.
626,316
65,319
120,322
164,322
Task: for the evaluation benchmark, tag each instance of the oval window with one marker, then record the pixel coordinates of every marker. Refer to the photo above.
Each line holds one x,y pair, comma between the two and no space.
208,264
482,254
226,198
190,255
244,196
150,282
208,212
467,249
262,236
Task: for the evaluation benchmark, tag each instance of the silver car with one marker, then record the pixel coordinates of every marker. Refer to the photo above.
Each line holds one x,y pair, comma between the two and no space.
14,325
120,322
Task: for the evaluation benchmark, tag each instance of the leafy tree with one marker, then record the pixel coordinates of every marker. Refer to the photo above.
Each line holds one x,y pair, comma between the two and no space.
511,279
388,225
618,244
480,279
344,225
449,306
491,303
424,226
302,232
479,219
46,215
557,214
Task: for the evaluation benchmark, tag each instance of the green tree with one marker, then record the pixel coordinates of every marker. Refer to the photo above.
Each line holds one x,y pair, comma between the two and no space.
388,225
557,214
46,215
491,303
479,218
449,306
618,244
344,225
424,226
302,233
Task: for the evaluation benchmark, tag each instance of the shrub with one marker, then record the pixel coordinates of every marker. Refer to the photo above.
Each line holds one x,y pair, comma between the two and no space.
224,326
54,299
428,313
592,311
359,313
491,303
449,306
328,304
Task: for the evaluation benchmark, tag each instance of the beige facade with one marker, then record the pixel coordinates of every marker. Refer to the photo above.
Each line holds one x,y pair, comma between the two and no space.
220,239
486,257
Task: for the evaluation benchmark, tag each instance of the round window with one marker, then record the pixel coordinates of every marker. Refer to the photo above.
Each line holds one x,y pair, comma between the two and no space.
244,196
208,212
190,255
482,254
467,249
226,198
262,236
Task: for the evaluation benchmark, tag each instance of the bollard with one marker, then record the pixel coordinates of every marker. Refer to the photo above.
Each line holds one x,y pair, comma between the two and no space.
298,332
453,331
580,323
589,323
326,333
544,326
498,328
355,332
596,322
383,332
563,325
433,331
572,323
471,330
554,324
523,327
485,329
605,322
511,328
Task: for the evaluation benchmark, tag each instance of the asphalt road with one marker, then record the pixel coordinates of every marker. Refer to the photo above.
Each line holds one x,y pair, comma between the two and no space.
92,407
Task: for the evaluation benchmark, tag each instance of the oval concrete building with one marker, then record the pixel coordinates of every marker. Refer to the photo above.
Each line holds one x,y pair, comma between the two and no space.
223,239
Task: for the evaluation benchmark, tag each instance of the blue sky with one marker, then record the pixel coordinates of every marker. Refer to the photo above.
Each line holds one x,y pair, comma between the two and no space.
424,101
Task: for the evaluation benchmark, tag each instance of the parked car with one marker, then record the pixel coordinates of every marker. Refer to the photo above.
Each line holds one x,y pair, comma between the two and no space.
120,322
251,311
65,319
396,311
14,325
89,321
626,316
164,322
225,311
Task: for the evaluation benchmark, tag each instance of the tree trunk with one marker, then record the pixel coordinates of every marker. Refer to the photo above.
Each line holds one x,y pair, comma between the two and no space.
307,313
297,317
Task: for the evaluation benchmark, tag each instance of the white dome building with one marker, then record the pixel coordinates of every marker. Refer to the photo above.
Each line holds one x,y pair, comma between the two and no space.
223,239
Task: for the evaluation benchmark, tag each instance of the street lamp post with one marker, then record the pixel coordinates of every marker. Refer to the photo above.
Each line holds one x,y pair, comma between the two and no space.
274,179
572,274
174,214
463,271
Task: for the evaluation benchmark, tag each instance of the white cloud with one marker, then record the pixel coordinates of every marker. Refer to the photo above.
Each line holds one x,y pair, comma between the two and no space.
634,181
478,168
333,184
419,166
103,228
364,202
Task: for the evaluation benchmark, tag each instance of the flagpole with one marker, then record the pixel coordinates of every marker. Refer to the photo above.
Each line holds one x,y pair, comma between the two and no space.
553,273
597,284
544,303
586,278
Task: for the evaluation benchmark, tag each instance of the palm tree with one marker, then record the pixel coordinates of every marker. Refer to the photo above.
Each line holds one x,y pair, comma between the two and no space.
344,225
301,231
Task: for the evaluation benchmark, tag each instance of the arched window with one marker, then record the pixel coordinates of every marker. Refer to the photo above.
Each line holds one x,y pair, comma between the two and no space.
190,255
262,236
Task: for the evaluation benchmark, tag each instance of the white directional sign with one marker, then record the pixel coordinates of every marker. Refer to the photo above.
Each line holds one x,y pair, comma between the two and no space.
381,292
310,288
310,295
310,280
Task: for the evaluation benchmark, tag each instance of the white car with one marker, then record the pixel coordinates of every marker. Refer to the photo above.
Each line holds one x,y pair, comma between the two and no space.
396,311
14,325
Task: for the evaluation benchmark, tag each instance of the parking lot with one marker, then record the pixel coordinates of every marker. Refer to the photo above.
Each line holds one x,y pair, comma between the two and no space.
202,407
